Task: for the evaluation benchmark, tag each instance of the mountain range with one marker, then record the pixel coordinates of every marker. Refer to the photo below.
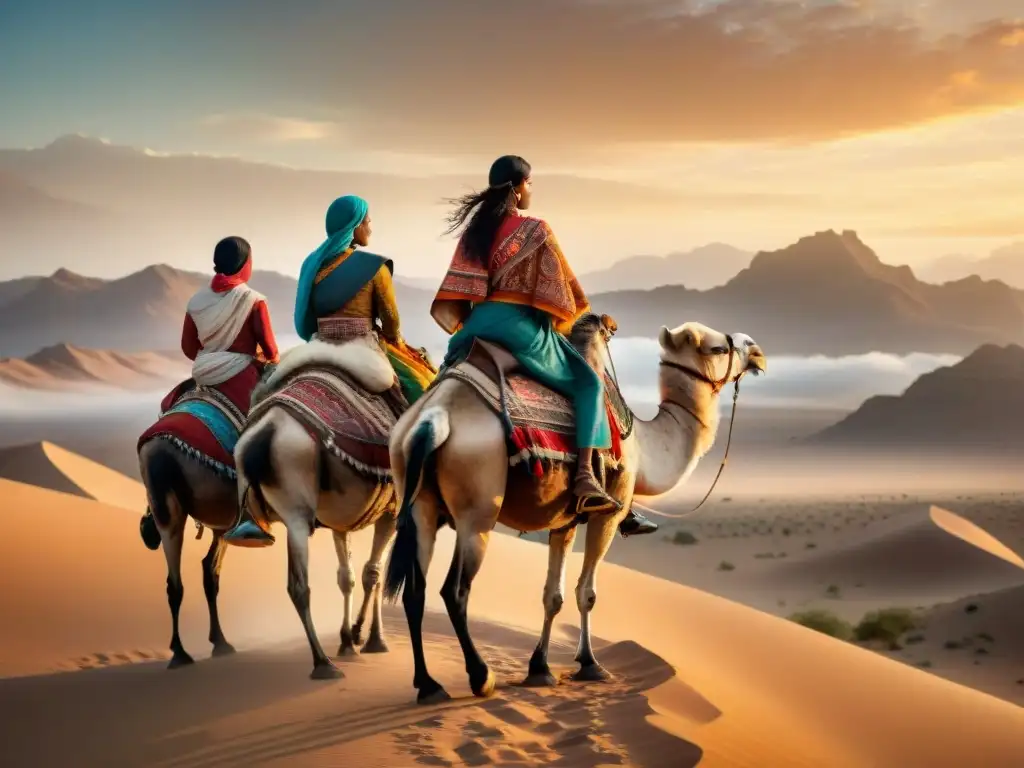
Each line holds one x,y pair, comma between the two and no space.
701,268
826,294
1005,264
80,198
62,367
970,406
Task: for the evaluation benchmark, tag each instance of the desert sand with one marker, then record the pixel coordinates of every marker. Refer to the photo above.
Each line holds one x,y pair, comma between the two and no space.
699,678
66,368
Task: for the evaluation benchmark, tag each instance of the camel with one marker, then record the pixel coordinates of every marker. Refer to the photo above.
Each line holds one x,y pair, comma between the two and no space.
179,487
450,463
295,481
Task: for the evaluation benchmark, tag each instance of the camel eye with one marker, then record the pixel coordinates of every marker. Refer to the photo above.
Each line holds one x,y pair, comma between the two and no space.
719,350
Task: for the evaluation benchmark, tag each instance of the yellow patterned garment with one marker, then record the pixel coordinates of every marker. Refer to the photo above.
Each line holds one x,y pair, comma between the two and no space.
374,301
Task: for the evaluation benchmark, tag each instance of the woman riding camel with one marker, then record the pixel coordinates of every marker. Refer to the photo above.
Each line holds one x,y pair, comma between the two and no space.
509,283
227,332
345,293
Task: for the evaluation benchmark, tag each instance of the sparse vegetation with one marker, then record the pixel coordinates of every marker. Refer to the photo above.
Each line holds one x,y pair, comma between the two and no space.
953,645
971,608
725,565
925,664
825,622
684,538
887,625
915,639
810,545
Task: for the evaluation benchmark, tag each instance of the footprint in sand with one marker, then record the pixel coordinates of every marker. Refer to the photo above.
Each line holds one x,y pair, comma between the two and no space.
571,725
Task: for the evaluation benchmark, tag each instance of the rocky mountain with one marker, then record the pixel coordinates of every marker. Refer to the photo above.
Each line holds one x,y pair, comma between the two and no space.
975,405
137,313
830,294
702,268
1005,264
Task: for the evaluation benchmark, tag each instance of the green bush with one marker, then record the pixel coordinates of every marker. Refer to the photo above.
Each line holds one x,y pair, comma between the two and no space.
887,625
825,622
683,538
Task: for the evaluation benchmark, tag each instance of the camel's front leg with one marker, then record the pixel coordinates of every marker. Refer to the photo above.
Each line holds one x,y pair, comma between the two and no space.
298,590
600,533
346,582
211,586
559,546
373,591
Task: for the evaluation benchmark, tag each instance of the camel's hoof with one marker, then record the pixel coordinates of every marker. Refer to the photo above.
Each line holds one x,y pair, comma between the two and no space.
543,680
592,673
347,649
326,672
357,635
180,659
376,644
223,648
436,695
486,688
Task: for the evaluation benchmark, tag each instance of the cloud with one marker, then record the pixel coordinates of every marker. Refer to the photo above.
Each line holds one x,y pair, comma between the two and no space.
271,128
473,76
799,382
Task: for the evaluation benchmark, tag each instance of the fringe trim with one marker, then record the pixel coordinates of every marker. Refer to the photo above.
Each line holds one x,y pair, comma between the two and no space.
374,473
221,469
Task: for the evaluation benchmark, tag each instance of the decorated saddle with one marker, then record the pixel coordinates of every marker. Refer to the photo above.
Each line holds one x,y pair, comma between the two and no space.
346,396
540,423
201,422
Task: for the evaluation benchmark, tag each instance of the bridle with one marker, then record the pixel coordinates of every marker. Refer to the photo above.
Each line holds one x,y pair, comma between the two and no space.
716,387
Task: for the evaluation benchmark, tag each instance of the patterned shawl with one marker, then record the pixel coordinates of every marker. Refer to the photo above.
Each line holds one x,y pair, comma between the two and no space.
527,267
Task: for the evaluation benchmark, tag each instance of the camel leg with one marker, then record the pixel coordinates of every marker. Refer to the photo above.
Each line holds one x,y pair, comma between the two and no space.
559,546
172,538
600,533
346,582
211,586
470,548
298,590
383,535
425,513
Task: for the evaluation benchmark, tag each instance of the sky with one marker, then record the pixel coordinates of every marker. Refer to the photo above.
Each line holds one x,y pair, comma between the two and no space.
901,119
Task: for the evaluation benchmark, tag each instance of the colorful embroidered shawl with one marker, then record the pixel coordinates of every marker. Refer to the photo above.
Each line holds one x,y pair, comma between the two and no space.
527,267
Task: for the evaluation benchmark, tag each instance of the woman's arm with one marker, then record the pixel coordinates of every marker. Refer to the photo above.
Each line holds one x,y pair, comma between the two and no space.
190,343
386,305
264,331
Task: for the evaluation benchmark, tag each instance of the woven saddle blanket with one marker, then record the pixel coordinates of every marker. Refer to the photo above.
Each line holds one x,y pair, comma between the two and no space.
204,424
349,422
543,421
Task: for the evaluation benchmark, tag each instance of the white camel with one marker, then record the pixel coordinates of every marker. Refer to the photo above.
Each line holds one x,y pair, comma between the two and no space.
285,475
466,484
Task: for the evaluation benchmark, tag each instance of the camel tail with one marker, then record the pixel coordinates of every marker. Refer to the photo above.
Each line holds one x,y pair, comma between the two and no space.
164,477
255,462
427,436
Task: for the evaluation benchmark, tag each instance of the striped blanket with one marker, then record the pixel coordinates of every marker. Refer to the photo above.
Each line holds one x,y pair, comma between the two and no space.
204,424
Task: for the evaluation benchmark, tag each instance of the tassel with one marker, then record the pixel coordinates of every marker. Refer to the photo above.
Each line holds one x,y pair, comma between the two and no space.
537,468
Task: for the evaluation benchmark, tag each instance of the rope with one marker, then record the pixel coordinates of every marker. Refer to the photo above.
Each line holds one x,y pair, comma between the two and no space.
721,467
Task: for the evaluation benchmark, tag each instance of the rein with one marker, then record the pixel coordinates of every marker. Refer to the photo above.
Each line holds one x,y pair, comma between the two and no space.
716,387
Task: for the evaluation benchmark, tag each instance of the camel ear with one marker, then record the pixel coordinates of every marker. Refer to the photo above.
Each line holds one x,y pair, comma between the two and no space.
688,337
609,324
666,340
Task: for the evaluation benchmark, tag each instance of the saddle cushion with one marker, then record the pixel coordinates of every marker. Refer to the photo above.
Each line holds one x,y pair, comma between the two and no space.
201,422
543,421
348,421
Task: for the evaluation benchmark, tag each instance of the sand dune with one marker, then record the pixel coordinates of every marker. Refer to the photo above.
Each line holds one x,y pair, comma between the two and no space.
924,556
49,466
67,368
698,677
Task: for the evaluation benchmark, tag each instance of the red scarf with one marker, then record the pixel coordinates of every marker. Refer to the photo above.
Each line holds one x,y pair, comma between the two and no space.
224,283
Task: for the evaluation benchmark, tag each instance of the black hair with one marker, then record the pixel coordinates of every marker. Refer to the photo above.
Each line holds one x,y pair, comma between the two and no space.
486,210
230,255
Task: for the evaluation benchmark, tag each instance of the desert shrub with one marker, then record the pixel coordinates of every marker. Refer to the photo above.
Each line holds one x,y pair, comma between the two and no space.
825,622
833,590
683,538
887,625
725,565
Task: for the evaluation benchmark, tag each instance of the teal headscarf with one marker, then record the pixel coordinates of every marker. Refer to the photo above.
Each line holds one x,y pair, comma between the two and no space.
345,214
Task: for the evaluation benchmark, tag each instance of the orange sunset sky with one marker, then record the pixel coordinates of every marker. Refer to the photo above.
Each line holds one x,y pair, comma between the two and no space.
768,119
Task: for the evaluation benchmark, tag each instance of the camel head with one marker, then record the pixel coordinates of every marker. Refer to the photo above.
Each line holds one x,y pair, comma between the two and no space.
710,355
